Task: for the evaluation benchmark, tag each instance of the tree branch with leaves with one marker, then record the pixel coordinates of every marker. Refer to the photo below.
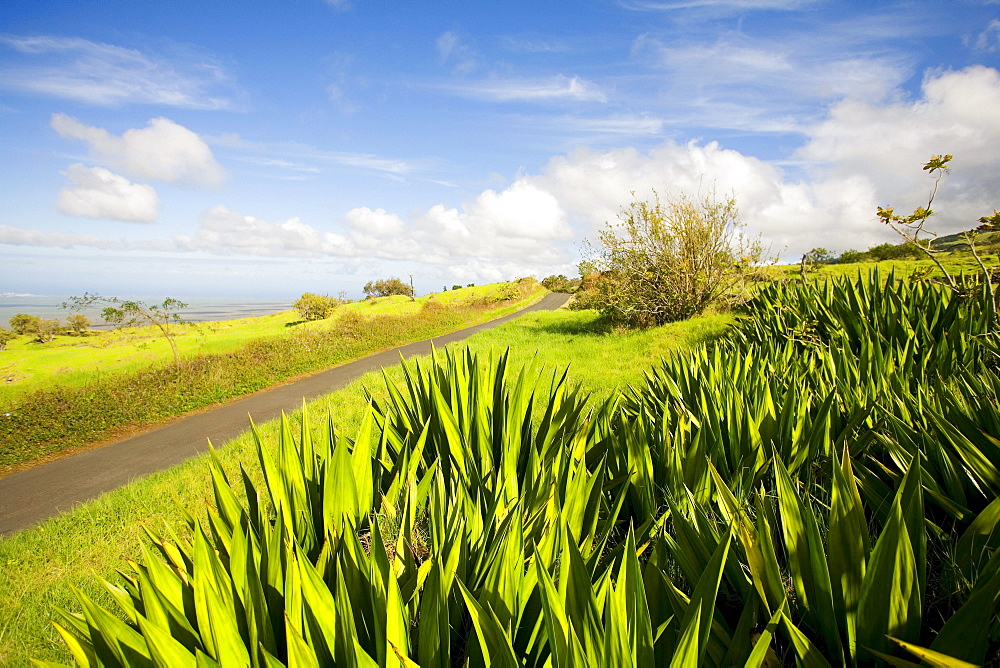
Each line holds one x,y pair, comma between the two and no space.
134,313
912,229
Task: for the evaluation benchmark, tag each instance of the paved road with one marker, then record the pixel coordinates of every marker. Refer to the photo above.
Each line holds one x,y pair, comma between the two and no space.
44,491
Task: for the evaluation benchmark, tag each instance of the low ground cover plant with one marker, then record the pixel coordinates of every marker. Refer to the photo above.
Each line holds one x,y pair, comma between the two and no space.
820,487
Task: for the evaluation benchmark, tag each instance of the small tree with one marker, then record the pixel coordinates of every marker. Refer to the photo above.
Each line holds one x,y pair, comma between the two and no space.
912,229
315,307
134,313
6,336
47,330
812,258
22,323
385,287
671,260
77,324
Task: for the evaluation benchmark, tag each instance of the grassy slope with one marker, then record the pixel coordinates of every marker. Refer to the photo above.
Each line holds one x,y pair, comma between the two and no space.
64,418
955,262
71,360
38,566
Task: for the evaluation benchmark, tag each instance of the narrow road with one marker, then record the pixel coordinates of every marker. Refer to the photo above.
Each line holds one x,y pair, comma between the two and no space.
28,497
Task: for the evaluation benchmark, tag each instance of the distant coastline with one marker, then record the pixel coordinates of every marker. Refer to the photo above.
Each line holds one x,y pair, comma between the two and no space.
200,309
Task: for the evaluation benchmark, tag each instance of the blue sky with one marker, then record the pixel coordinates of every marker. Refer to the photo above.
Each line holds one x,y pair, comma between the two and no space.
268,149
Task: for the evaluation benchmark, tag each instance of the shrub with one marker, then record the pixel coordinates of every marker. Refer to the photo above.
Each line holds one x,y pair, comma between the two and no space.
892,252
315,307
557,283
77,324
22,323
5,336
671,260
47,330
849,256
384,287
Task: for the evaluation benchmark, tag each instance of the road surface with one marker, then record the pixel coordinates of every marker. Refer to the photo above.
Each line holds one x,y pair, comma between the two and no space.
28,497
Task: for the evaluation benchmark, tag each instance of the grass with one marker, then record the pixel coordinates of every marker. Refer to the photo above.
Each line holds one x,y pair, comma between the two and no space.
602,359
40,565
26,366
51,421
956,262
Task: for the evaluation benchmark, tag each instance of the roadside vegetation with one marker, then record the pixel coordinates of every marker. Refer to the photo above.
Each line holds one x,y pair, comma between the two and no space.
41,565
817,487
58,417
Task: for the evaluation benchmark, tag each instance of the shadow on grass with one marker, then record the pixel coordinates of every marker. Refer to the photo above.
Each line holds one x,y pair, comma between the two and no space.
293,324
598,326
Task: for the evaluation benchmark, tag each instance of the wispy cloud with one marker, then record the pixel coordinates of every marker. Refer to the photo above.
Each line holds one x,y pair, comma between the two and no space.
718,5
103,74
303,157
535,44
454,51
546,89
989,39
773,83
20,236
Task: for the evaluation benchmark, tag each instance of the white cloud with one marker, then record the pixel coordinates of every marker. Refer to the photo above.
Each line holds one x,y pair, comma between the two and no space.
886,143
989,39
719,5
227,232
19,236
547,89
862,154
377,222
451,49
97,193
163,150
287,151
738,81
104,74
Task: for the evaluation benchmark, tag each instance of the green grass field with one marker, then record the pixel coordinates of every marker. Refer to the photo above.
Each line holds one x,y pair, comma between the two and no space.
40,565
60,417
70,360
955,262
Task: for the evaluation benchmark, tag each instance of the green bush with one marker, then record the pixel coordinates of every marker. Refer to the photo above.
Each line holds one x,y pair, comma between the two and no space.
316,307
6,336
23,323
670,260
385,287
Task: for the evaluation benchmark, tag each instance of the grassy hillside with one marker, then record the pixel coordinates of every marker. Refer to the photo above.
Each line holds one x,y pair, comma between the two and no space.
60,416
38,566
71,360
956,261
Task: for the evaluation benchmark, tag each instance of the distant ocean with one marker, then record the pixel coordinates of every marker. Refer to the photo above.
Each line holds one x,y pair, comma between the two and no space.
200,309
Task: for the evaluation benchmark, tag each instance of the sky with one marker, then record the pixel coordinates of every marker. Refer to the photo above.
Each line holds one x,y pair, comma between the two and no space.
266,149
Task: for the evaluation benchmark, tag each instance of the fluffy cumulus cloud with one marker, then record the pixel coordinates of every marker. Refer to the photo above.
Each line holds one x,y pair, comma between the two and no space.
162,151
95,192
885,144
376,223
227,232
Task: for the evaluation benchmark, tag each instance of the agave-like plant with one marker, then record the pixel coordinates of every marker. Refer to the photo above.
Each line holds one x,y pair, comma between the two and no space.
824,494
